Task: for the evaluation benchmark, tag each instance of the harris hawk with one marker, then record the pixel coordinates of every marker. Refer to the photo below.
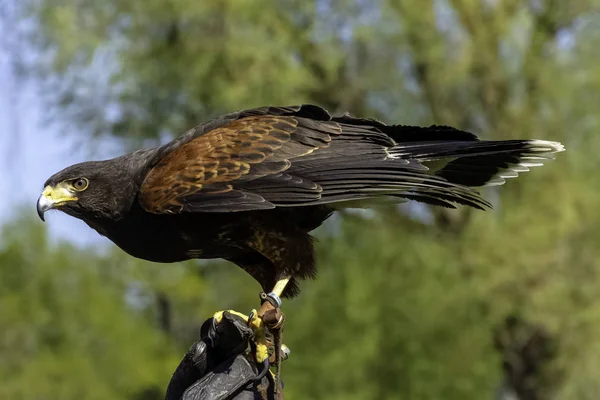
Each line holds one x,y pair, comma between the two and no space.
250,186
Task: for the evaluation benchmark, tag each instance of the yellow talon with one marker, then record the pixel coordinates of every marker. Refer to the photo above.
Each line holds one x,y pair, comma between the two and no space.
260,338
218,316
256,324
262,352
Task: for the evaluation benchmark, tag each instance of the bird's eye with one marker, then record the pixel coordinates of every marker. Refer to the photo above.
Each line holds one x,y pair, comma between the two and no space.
80,184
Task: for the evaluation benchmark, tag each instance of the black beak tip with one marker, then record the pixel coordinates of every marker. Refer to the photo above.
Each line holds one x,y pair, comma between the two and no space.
41,215
40,212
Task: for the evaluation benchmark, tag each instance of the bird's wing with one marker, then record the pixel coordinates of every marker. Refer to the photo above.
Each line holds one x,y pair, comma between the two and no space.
207,172
296,156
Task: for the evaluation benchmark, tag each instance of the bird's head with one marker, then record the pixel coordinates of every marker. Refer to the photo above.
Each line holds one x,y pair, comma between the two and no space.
89,190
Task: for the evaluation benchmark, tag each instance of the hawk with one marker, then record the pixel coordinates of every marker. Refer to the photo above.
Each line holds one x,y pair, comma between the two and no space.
250,186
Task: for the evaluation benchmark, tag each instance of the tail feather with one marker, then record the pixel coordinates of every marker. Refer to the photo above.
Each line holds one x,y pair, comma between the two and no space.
479,163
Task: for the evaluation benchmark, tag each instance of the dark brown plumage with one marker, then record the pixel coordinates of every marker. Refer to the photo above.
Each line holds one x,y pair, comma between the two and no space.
250,186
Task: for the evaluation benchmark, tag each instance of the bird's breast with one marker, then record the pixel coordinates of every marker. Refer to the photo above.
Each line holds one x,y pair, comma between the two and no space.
172,238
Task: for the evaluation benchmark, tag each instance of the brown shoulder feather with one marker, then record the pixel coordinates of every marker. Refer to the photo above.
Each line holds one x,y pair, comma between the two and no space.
202,172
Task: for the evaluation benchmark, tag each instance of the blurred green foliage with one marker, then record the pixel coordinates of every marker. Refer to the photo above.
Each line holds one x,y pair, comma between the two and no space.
407,302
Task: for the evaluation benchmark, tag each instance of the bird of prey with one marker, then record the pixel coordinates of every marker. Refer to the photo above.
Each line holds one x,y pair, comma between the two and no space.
250,186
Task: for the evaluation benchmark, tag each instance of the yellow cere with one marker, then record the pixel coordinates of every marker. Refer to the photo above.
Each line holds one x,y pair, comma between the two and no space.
59,194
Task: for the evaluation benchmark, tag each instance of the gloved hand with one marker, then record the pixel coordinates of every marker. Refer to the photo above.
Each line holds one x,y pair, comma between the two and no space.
217,367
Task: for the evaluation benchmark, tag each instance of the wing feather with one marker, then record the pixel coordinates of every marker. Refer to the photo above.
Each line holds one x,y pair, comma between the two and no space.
298,156
189,176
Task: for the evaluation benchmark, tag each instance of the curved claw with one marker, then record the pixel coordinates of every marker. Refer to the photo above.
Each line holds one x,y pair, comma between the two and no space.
265,368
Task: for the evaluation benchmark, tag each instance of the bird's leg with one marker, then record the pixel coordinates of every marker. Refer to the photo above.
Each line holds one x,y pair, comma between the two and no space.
280,286
272,300
289,255
268,316
273,319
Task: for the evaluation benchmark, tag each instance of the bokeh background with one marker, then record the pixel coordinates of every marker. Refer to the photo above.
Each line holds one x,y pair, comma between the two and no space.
411,302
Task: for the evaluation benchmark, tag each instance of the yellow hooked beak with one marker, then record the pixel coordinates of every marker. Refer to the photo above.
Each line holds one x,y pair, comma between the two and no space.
53,197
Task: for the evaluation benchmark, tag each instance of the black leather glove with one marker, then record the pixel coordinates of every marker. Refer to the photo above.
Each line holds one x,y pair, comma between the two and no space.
217,367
